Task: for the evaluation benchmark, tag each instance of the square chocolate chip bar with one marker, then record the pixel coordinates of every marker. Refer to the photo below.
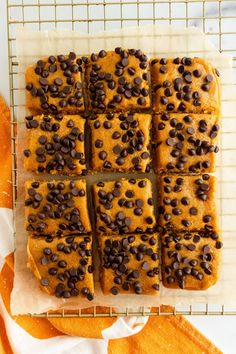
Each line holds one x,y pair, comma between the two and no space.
63,266
129,264
185,85
56,208
55,145
120,142
190,260
124,206
187,202
117,80
53,84
185,143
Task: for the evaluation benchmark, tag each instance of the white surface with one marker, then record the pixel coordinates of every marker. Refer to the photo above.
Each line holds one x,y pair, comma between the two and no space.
221,330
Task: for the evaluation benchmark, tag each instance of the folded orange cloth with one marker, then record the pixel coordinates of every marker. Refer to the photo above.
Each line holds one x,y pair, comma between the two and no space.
162,334
5,156
5,347
165,334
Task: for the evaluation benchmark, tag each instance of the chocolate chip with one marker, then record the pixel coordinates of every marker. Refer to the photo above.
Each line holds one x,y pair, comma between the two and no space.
62,264
129,194
124,62
205,87
43,81
120,161
116,135
142,183
188,78
44,282
193,211
217,72
206,249
208,78
207,218
170,279
44,261
128,221
102,155
170,107
149,220
163,69
98,143
52,68
114,290
102,53
186,223
219,245
27,153
197,73
178,84
42,139
141,101
131,71
190,130
191,247
58,81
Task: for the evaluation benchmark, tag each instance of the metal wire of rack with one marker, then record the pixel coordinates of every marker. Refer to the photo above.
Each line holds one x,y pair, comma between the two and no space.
217,19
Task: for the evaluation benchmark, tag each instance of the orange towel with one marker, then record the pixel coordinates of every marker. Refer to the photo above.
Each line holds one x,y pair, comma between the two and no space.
162,334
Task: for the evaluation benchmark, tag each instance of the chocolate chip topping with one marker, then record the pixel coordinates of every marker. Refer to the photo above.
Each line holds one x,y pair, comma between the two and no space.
176,201
185,76
58,205
190,148
129,140
123,206
188,256
125,82
65,87
60,150
131,261
64,279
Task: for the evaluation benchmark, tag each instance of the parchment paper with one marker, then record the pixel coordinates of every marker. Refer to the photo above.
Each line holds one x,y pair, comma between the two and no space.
26,296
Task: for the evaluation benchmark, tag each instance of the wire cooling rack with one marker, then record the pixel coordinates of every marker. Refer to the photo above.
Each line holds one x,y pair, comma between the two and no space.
216,18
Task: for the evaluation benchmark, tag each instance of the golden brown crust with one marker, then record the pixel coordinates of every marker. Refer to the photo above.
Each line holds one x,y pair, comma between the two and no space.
120,142
63,266
129,264
54,84
55,145
190,260
185,85
56,208
124,206
187,202
117,80
185,143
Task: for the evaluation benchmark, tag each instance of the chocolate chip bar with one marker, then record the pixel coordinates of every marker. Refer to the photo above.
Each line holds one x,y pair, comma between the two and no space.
130,264
124,206
55,145
63,266
190,260
185,85
185,143
117,80
187,202
56,208
53,84
120,142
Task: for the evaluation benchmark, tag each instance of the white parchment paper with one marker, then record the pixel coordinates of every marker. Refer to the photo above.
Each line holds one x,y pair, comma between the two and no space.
155,41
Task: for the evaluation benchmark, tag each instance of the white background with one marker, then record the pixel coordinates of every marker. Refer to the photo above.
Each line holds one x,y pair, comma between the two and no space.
220,329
